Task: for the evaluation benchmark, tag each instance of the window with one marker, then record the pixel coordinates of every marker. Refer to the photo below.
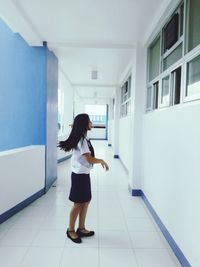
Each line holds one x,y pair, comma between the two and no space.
152,96
124,92
154,59
176,86
155,95
194,22
172,38
149,99
171,32
173,29
129,84
173,57
193,78
181,19
126,98
165,92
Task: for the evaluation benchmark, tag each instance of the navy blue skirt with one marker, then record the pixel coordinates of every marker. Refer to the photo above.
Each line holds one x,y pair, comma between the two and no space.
80,188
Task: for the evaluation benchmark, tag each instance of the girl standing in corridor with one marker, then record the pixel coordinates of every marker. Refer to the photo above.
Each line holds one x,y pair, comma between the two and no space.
82,161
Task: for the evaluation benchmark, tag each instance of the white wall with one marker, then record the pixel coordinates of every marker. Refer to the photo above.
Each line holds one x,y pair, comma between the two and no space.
111,137
97,133
171,178
79,105
116,122
120,127
22,174
68,93
61,153
170,168
124,140
110,121
130,127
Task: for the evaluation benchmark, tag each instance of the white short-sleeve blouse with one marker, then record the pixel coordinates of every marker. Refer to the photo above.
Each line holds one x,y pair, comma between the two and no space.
78,162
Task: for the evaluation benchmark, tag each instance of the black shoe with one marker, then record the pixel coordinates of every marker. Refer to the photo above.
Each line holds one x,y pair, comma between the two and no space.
75,240
81,234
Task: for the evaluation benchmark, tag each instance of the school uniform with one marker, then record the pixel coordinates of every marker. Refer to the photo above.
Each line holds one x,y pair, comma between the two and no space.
80,178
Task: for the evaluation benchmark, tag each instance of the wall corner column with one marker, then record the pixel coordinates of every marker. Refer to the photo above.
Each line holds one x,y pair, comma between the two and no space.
116,122
138,106
51,117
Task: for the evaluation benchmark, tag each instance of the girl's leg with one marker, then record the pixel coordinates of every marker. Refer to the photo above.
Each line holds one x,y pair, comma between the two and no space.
73,216
82,215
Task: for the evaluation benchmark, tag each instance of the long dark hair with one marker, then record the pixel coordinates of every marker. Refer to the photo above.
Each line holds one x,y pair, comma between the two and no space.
79,130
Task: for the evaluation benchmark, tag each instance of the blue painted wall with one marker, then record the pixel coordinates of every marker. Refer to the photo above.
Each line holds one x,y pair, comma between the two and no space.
22,91
28,97
51,120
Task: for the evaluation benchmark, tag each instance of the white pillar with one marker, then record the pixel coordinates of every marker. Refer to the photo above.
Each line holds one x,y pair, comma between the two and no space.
138,107
116,122
110,107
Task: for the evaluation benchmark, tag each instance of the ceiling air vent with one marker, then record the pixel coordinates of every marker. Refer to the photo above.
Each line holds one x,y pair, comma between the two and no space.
94,75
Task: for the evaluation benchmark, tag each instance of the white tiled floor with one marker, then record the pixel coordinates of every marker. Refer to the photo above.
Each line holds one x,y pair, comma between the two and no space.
126,234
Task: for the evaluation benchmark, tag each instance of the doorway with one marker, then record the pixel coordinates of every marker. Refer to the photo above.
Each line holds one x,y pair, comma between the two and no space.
99,117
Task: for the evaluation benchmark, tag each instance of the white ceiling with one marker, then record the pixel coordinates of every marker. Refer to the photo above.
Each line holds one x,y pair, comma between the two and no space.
78,63
86,34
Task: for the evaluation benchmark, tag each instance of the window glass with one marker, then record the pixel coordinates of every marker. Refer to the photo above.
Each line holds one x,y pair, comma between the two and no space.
194,24
129,87
155,95
125,98
193,77
181,19
154,60
171,32
173,57
149,98
176,85
165,95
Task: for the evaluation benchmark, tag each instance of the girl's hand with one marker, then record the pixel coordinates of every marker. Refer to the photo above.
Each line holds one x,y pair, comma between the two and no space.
104,165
